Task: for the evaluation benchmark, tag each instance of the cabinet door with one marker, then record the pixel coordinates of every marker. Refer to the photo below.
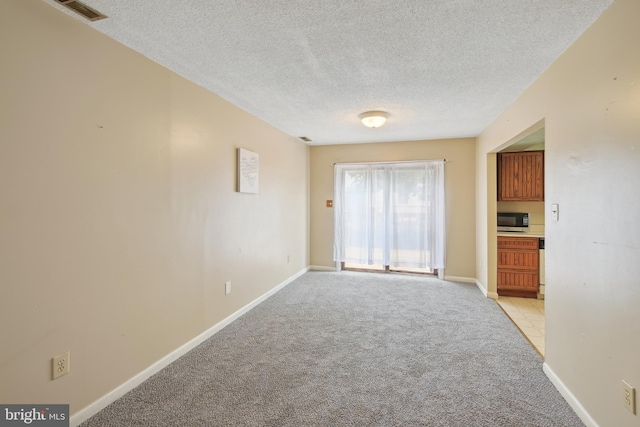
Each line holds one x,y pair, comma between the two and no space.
518,266
518,260
525,281
531,243
521,176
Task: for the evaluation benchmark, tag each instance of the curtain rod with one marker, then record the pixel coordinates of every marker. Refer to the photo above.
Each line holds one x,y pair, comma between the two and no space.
384,163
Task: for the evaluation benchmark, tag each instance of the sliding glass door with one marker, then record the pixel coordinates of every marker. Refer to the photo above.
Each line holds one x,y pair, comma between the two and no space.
390,215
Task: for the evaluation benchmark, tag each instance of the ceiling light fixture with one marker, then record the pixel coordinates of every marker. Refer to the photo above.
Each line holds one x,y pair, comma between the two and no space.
373,119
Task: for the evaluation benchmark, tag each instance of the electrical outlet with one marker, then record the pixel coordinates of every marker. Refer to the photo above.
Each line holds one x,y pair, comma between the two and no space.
227,288
629,397
60,365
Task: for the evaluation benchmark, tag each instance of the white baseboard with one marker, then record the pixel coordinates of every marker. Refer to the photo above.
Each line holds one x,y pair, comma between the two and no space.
580,411
492,295
460,279
321,268
95,407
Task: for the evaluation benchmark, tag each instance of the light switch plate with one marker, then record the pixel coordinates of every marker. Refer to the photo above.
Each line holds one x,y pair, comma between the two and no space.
555,212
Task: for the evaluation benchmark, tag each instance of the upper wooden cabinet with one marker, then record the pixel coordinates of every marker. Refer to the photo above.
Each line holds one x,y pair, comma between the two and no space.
521,176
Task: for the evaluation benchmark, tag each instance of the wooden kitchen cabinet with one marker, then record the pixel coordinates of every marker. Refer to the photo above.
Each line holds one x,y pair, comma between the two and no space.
521,176
518,266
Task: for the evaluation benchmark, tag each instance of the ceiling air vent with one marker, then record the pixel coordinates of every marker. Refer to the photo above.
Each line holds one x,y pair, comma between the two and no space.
82,9
304,138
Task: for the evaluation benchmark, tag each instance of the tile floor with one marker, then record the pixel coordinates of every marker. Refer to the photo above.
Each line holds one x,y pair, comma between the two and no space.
528,316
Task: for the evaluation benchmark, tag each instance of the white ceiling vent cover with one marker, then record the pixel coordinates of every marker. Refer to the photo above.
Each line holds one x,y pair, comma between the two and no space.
82,9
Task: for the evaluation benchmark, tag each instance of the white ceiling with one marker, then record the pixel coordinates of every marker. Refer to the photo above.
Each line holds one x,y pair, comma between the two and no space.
441,68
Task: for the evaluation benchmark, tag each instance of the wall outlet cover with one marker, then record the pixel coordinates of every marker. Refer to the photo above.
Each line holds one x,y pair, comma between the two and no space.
629,397
61,365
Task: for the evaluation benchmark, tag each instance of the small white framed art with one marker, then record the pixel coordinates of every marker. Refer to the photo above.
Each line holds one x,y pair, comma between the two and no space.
248,168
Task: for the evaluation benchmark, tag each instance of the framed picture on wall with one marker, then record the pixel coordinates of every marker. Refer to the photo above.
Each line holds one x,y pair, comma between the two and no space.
248,168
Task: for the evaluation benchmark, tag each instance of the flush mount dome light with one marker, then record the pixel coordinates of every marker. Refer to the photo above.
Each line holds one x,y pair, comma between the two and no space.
373,119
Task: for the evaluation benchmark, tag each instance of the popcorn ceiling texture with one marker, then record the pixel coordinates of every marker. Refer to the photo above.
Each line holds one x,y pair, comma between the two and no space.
442,69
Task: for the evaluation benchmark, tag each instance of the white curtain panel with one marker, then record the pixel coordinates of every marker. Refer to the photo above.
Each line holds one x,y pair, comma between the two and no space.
390,214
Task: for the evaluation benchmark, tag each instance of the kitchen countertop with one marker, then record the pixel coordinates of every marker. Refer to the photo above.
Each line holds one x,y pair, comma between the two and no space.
519,234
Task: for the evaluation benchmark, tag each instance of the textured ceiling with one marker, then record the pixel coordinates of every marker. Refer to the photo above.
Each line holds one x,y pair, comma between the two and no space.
441,68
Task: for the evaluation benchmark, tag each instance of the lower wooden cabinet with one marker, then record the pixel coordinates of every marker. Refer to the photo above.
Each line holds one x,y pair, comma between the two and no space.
518,266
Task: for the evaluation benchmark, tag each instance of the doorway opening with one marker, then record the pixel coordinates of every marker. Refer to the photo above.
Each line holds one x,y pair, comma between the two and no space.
528,314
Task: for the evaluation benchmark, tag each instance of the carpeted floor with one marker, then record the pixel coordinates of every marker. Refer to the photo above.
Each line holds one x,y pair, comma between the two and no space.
355,349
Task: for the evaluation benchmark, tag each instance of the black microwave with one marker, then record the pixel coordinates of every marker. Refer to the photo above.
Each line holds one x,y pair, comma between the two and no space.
513,221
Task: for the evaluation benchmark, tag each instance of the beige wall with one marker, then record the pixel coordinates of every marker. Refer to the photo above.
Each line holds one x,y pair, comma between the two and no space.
459,193
590,102
119,223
